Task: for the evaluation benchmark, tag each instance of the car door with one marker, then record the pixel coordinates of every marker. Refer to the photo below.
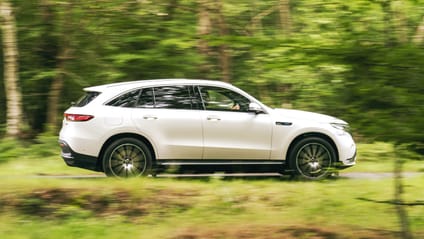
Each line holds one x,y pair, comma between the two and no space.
230,131
169,117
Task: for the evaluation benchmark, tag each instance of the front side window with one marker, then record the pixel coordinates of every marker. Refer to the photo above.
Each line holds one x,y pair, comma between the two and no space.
215,98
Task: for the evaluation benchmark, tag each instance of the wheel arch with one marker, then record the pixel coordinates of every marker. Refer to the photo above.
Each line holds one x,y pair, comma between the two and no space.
120,136
312,134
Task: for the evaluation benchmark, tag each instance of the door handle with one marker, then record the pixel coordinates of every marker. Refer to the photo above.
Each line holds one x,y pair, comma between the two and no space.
213,118
150,117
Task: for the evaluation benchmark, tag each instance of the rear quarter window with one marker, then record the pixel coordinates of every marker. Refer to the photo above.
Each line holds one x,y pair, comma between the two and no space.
87,98
128,99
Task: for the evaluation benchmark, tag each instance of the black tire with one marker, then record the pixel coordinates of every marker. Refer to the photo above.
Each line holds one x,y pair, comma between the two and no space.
312,158
127,157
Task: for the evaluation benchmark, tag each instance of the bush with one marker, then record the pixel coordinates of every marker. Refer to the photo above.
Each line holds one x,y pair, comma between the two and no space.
45,145
10,149
382,151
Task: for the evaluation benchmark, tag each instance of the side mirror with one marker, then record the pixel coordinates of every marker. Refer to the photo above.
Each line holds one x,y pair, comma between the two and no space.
254,107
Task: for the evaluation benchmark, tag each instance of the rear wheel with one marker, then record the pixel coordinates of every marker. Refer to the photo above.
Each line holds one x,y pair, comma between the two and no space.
312,158
127,157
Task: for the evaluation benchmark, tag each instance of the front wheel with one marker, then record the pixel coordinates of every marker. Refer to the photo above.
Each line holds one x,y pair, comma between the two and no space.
127,157
312,158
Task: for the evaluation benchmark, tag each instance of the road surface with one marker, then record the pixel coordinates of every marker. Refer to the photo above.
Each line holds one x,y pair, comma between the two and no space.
342,175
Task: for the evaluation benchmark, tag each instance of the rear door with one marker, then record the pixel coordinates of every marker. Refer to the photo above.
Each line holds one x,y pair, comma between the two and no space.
169,117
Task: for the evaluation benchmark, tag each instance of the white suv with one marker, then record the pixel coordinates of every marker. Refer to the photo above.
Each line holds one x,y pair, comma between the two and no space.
132,128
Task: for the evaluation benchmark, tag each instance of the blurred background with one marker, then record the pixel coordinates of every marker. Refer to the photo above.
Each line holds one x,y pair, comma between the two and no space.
362,60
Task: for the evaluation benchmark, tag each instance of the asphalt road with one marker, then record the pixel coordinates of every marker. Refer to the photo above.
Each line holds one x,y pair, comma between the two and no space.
342,175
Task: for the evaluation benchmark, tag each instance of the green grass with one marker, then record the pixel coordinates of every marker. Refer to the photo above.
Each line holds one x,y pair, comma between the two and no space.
44,207
170,208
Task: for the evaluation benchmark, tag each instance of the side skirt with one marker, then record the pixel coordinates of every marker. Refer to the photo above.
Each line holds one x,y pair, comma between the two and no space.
227,166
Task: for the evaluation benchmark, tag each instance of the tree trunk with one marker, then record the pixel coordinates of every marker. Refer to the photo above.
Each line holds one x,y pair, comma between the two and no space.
204,28
388,23
170,9
399,204
419,34
400,22
10,51
224,54
58,81
285,17
256,22
54,94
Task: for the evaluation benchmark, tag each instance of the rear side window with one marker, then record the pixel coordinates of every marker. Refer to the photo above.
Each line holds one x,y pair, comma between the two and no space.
128,99
172,97
162,97
87,98
146,99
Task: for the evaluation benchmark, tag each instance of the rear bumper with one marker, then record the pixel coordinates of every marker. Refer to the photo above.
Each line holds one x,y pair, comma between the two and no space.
74,159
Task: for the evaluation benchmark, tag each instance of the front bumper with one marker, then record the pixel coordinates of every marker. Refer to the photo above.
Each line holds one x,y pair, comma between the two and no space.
347,163
74,159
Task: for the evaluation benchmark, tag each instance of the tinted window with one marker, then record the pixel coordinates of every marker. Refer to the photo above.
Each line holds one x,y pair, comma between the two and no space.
128,99
196,99
173,97
215,98
146,99
87,98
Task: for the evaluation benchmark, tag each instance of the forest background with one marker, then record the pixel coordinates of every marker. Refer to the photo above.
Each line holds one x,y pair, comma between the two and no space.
362,60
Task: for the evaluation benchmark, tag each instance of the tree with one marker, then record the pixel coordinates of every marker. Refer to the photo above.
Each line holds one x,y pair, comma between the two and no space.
61,59
10,51
211,17
224,52
204,28
419,35
285,16
314,55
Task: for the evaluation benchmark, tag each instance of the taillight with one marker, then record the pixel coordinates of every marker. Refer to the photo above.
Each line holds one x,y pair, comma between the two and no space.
78,117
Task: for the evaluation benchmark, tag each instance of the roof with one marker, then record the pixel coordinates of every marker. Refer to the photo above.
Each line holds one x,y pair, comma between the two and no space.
156,82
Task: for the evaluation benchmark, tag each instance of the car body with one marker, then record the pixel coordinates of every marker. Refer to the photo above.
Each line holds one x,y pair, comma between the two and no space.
131,128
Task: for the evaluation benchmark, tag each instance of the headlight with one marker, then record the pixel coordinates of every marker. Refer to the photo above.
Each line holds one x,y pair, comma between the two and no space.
340,126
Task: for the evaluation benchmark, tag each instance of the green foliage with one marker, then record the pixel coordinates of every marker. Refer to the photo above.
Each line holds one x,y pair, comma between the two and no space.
386,152
10,149
45,145
410,151
353,59
376,152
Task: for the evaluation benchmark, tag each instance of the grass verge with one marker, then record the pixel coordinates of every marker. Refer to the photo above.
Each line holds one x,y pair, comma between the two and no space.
37,207
212,208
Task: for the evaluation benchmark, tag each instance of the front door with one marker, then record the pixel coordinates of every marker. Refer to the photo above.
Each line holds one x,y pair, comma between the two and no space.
230,131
